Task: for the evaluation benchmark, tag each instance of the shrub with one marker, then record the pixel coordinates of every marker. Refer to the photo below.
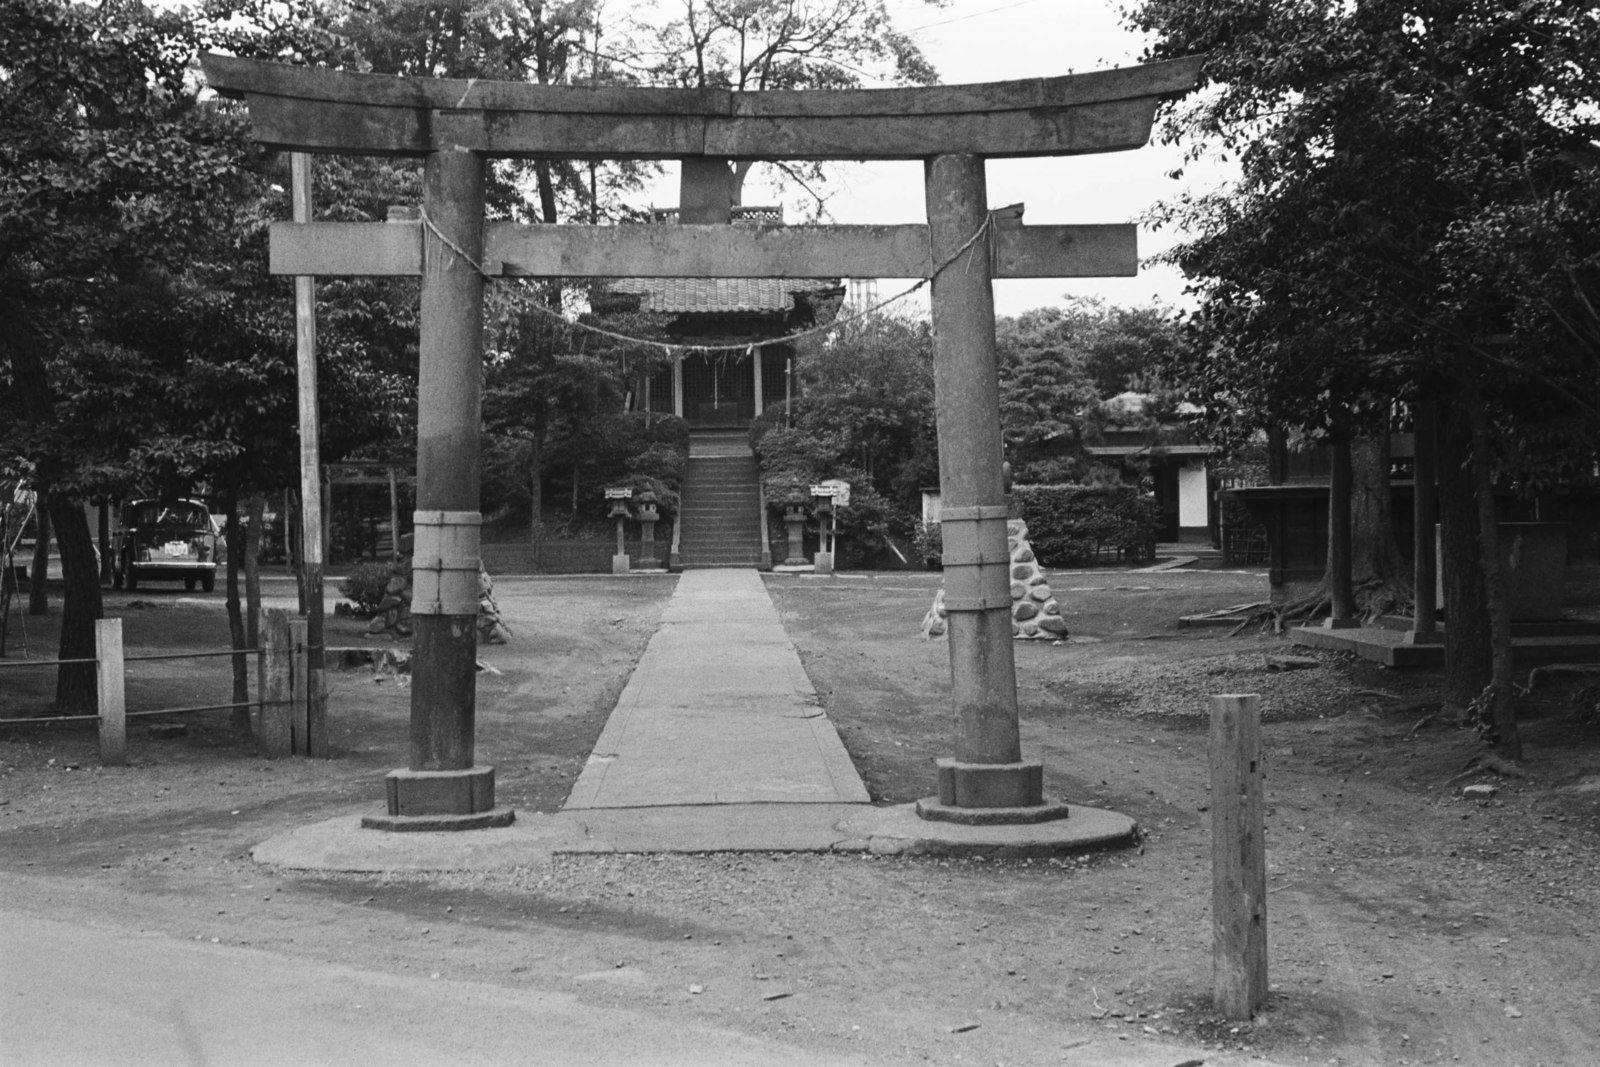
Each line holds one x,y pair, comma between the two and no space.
1073,524
927,543
793,460
366,586
867,523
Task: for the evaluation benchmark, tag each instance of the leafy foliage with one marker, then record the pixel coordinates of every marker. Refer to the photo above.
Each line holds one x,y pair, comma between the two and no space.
366,585
1417,197
1073,524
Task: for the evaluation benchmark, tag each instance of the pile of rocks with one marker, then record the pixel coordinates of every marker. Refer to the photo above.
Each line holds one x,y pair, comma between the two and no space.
1035,614
394,610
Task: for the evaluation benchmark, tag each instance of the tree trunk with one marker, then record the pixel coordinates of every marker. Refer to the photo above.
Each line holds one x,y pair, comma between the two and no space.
1504,713
81,606
1382,579
39,566
1369,561
1341,586
1466,634
233,536
103,534
256,509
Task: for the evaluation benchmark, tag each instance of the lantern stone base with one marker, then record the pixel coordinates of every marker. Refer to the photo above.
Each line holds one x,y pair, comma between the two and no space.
619,563
822,562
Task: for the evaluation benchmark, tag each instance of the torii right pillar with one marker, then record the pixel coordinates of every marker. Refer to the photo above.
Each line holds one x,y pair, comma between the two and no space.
987,781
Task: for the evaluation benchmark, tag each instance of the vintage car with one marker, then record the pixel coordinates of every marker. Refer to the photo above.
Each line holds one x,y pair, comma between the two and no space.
167,541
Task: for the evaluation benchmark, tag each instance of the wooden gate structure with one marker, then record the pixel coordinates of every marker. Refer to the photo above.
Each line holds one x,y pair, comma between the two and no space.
457,125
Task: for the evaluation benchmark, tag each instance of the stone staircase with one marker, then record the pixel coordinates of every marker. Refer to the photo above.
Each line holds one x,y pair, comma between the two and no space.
720,514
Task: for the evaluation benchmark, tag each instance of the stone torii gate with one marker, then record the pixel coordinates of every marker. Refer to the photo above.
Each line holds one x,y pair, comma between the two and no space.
457,125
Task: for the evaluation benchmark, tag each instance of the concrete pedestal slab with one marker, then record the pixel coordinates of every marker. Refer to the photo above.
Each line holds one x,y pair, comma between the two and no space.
341,844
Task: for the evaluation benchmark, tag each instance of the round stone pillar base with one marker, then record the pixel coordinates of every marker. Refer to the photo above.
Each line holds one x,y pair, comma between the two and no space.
990,794
440,800
462,792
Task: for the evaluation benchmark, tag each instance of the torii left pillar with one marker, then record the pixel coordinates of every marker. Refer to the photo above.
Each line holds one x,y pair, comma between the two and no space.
442,788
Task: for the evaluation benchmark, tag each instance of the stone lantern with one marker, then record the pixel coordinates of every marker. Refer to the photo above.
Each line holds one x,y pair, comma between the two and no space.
794,517
649,515
822,506
619,510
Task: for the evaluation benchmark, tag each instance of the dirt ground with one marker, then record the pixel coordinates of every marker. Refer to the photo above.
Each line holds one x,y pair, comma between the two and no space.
1407,925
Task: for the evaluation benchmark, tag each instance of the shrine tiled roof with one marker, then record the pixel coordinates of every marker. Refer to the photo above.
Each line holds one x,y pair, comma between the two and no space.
719,295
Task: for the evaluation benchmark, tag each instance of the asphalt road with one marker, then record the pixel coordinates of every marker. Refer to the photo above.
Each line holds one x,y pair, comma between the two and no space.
81,997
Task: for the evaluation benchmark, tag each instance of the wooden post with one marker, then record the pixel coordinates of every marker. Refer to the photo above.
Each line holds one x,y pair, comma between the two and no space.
1238,858
444,660
394,516
987,771
967,395
314,740
760,399
299,687
1425,513
275,733
111,692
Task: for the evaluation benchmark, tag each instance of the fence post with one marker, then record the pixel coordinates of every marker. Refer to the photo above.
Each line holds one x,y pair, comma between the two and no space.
275,685
1238,858
110,692
300,680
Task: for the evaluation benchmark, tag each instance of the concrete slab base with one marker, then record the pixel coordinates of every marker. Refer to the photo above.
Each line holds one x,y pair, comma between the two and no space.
934,809
482,820
341,844
1390,648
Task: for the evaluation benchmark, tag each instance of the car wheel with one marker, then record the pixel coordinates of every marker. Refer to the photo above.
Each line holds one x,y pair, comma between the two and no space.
188,583
208,582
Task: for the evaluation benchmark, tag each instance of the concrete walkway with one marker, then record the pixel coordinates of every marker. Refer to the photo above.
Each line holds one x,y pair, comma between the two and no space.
717,743
718,711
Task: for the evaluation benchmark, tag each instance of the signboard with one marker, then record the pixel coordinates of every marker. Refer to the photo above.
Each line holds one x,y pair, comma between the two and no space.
837,488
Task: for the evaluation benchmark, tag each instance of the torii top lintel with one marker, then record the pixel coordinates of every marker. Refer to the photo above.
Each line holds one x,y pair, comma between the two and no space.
311,109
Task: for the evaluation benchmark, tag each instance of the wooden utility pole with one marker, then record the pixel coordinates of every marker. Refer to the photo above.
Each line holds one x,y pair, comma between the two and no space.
315,740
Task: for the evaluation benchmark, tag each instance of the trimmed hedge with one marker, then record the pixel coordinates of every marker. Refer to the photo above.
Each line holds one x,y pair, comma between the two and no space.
1073,524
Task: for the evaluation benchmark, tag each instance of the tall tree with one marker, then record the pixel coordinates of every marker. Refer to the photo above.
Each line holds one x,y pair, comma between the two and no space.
109,167
1380,143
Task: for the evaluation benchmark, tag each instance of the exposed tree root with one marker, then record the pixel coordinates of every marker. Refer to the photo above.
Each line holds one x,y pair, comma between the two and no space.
1375,597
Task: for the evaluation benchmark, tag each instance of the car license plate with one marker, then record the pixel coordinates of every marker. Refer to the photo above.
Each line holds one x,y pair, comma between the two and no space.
175,548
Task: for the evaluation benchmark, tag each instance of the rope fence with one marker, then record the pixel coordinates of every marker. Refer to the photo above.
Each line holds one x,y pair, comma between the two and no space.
280,709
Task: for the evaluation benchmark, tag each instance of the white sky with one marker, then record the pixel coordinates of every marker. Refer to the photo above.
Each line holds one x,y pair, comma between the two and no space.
998,40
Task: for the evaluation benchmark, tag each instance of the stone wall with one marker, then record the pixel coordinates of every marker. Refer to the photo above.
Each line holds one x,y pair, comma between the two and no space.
394,610
1035,613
